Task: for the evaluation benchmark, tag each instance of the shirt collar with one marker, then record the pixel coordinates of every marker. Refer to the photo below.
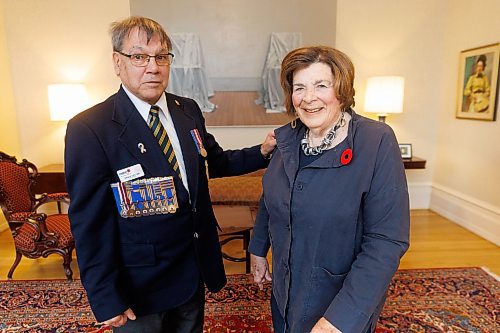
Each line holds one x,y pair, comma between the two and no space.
143,107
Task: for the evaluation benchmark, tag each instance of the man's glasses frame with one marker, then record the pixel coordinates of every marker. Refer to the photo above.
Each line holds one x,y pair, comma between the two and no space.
142,59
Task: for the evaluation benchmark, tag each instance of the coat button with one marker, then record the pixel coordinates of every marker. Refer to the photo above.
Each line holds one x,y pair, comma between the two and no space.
300,186
194,209
196,235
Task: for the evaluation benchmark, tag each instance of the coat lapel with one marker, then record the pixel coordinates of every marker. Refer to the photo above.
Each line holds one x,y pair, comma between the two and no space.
288,141
135,132
183,124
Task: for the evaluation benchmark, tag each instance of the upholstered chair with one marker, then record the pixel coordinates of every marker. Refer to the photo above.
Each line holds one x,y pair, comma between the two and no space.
235,202
35,234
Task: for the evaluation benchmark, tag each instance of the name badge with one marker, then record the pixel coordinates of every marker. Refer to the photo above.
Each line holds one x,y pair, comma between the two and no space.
130,173
145,197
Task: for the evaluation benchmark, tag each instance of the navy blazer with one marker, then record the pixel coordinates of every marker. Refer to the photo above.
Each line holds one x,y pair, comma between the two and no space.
148,263
337,227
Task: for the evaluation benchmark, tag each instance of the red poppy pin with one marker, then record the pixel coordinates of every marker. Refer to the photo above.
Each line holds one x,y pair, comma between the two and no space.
346,156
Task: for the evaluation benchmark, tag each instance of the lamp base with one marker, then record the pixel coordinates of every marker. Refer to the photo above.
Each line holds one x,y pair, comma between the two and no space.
381,118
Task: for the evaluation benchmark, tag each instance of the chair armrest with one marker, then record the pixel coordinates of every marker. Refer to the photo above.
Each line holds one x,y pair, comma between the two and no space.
61,197
35,220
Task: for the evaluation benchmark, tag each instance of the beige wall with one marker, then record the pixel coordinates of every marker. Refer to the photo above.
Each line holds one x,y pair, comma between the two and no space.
9,138
466,178
421,40
56,42
468,150
235,34
391,37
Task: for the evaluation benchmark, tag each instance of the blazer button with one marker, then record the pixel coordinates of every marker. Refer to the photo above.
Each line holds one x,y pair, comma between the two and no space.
300,186
196,235
194,210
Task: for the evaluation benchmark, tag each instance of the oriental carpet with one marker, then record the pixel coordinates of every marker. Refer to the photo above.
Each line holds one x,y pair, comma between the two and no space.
419,300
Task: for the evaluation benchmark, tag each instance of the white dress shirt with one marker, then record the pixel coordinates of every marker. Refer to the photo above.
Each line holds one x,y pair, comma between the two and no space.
168,124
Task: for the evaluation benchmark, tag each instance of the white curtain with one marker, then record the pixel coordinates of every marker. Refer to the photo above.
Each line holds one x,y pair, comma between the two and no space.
272,95
187,73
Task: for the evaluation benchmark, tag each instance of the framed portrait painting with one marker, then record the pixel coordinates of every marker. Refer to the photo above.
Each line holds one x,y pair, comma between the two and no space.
478,83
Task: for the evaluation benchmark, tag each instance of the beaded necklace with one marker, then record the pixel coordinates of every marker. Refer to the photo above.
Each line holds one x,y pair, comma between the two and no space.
327,140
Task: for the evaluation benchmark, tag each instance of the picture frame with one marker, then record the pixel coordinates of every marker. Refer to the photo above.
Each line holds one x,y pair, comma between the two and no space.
406,151
478,73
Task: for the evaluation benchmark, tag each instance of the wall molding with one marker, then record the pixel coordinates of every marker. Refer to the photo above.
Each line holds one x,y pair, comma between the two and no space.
420,194
475,215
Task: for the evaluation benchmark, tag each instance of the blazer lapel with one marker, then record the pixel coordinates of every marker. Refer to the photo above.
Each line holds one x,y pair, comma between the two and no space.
136,134
183,124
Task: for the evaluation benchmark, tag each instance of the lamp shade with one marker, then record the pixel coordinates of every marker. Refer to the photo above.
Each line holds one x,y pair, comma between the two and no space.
384,94
66,100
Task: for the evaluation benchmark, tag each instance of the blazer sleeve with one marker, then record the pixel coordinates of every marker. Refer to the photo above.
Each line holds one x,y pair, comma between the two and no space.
93,219
386,221
223,163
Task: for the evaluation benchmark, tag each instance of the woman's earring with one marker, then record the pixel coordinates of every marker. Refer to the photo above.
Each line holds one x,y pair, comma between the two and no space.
293,124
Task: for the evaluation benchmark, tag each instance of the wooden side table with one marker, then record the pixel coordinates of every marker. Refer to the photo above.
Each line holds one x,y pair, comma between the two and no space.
50,179
414,163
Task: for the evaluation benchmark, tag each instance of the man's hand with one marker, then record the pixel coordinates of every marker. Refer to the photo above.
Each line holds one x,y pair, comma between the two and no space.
260,270
121,319
269,144
324,326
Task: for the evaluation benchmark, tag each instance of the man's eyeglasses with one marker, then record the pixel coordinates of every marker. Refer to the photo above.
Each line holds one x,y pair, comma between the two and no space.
142,60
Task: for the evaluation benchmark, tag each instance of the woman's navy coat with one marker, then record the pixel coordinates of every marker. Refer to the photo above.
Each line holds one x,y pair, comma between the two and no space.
337,227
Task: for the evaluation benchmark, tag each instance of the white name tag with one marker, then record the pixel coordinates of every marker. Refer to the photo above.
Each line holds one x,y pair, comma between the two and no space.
130,173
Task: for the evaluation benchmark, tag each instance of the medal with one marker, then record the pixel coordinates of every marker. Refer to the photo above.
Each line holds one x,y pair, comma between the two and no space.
145,197
198,143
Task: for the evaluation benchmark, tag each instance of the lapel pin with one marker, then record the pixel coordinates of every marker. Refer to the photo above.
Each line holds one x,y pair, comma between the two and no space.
141,147
177,102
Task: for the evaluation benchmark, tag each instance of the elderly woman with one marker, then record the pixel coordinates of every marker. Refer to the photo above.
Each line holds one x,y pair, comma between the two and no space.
335,204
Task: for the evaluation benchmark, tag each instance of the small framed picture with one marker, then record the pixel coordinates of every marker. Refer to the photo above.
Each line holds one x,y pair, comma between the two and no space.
478,83
405,149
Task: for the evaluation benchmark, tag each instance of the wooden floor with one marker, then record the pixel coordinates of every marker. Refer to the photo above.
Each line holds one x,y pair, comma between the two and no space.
435,242
238,108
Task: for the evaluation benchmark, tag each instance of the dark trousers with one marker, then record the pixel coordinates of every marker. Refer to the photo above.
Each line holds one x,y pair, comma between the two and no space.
186,318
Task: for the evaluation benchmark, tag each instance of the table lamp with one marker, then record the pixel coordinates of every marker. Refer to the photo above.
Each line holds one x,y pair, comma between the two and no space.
384,95
66,100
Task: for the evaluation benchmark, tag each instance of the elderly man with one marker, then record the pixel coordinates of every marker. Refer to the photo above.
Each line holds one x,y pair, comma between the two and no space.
136,168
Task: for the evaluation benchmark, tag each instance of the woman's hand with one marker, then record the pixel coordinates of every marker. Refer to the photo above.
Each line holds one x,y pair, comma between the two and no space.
324,326
260,270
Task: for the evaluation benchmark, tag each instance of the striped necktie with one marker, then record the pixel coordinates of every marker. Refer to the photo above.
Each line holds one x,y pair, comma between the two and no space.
160,134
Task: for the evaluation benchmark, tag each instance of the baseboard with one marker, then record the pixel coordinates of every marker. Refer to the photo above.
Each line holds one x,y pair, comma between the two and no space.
479,217
420,194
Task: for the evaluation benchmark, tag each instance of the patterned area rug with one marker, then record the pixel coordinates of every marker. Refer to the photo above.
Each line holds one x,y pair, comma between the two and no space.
426,300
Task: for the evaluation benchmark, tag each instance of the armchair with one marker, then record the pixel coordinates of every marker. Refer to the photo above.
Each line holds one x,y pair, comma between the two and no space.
35,234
